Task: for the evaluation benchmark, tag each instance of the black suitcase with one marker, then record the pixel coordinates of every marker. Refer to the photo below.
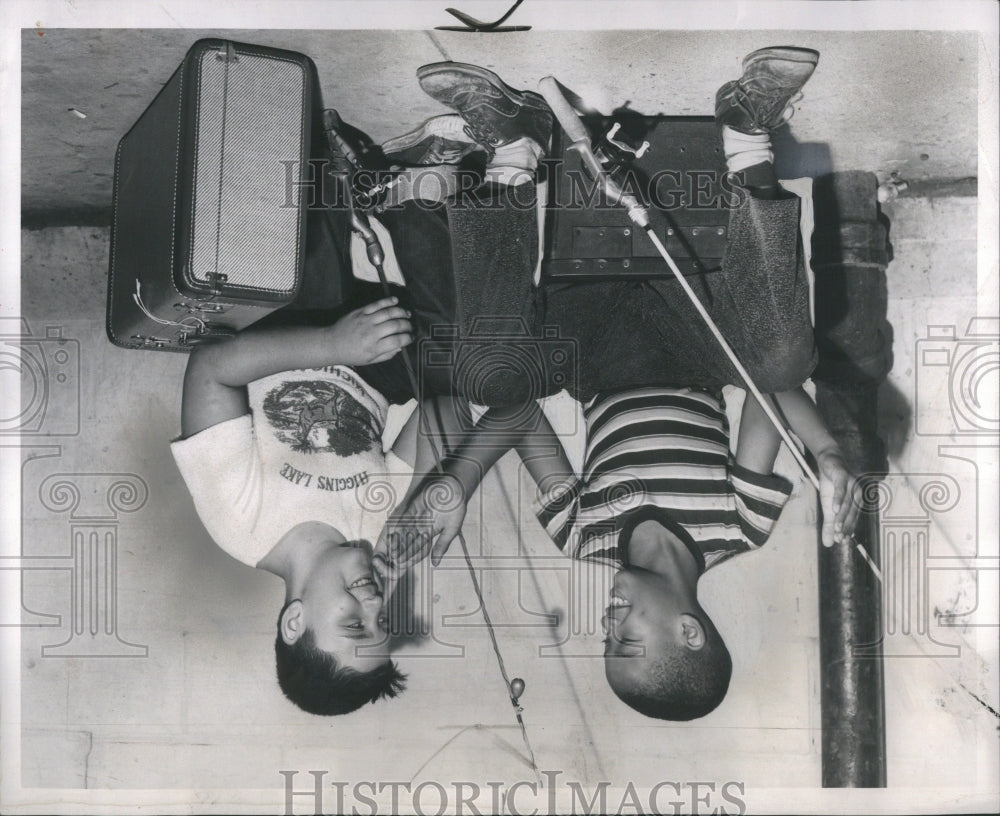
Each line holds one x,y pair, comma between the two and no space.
681,177
209,209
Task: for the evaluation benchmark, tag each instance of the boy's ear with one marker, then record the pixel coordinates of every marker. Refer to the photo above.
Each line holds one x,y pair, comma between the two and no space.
693,632
293,622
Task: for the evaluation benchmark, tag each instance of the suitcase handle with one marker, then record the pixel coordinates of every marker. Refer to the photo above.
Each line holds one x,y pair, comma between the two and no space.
192,330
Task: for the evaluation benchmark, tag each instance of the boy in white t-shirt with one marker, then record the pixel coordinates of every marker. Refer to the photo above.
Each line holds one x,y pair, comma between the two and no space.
282,452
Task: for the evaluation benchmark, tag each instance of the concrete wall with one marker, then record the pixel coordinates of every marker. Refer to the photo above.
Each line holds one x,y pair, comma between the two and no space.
910,94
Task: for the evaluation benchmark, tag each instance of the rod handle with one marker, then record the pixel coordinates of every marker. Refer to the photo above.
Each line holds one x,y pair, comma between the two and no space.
568,118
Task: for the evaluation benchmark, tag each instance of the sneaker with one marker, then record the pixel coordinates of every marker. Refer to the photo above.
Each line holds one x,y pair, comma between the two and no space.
495,113
440,140
762,99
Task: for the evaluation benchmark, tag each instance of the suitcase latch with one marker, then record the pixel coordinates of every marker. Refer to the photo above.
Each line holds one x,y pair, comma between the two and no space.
206,333
150,342
199,306
227,53
216,281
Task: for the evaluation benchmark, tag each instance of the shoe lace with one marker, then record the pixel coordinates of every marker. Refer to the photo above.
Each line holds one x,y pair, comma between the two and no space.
482,139
760,101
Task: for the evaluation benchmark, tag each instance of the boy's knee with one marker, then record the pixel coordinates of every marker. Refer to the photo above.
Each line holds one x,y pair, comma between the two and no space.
786,368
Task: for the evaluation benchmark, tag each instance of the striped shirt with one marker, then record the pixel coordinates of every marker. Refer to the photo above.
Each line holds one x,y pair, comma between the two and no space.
664,450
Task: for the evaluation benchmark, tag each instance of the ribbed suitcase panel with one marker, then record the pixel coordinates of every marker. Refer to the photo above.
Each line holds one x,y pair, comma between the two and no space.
243,147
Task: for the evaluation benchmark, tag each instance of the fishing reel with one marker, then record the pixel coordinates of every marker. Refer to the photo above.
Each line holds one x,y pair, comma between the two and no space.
614,153
359,174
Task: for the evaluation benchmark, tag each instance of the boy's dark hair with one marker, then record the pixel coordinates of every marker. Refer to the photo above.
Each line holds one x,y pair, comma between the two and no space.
316,683
683,684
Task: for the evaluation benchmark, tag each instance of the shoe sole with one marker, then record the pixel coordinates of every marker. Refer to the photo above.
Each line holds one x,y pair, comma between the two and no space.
785,53
525,99
428,130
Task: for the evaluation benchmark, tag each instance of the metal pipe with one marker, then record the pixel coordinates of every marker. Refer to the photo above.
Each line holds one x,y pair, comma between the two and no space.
850,254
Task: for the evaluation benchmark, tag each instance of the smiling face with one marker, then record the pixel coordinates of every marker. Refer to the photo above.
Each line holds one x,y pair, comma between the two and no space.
653,605
663,656
342,604
646,619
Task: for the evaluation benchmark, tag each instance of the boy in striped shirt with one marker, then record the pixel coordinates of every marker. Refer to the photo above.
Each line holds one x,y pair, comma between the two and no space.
663,499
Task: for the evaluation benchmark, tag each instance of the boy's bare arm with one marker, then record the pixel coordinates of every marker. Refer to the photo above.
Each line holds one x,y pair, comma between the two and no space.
437,509
758,446
500,430
433,431
217,375
758,442
837,485
542,452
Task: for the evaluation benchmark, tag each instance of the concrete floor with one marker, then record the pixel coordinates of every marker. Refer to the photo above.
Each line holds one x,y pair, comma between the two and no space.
197,707
181,708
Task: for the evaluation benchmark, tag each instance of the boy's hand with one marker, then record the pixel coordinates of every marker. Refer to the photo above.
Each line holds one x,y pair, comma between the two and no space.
436,512
838,493
371,334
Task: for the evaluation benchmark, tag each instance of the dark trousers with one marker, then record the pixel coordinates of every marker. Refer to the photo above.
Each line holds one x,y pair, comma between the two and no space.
481,324
468,267
631,334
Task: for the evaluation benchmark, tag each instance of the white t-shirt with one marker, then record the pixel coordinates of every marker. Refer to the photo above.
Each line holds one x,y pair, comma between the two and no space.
309,450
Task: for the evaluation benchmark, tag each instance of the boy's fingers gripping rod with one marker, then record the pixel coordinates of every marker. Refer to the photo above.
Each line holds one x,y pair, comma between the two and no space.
580,138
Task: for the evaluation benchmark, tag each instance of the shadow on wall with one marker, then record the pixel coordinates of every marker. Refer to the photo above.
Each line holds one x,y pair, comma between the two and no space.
851,305
794,159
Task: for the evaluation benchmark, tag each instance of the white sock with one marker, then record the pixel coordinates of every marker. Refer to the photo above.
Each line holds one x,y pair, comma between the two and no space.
744,150
514,163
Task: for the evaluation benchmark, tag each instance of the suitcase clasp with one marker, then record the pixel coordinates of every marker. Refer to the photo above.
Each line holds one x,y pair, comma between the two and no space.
206,333
227,53
198,306
216,281
150,342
